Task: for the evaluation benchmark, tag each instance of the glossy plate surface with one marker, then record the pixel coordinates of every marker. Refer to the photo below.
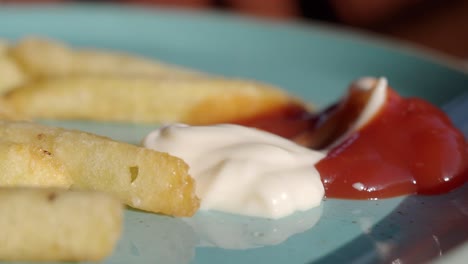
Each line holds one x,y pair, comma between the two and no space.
315,62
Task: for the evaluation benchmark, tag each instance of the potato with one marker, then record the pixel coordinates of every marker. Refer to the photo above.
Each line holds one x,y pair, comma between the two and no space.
140,177
7,112
4,46
56,225
30,165
200,101
47,58
67,83
10,74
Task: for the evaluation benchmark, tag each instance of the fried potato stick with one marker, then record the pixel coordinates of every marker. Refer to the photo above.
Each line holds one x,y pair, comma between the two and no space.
8,113
56,225
140,177
30,165
200,101
11,74
46,58
4,46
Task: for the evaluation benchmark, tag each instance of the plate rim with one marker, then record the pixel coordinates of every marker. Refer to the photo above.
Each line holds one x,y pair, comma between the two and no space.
362,37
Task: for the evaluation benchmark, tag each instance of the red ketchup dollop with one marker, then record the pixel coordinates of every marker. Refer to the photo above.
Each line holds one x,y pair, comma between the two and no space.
409,146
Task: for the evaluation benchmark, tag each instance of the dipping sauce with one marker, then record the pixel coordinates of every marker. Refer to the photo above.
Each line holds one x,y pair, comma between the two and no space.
379,144
371,144
408,146
243,170
289,121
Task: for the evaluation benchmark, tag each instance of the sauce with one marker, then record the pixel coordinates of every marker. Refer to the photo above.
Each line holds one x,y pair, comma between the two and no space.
318,131
374,144
379,144
289,121
243,170
409,147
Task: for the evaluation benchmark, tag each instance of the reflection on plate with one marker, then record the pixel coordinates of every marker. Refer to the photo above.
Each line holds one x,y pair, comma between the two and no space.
155,239
315,62
174,240
234,232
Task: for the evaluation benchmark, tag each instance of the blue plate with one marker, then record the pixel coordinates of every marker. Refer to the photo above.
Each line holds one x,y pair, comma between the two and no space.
316,62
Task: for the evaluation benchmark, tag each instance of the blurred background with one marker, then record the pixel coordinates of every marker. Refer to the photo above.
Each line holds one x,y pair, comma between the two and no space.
440,26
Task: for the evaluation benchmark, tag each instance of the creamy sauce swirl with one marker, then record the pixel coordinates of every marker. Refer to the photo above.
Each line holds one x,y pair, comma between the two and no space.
243,170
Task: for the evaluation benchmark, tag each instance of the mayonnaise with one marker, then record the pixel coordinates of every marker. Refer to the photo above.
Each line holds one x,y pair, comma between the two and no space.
243,170
374,104
376,100
246,171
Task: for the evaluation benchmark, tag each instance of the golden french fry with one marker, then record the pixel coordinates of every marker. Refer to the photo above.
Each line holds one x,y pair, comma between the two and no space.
140,177
200,101
48,58
8,113
30,165
4,46
56,225
10,74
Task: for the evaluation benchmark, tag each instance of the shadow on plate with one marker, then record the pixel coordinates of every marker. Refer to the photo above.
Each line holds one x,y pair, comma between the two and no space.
420,229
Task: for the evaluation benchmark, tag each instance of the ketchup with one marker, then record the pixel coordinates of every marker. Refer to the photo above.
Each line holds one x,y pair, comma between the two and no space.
289,121
408,147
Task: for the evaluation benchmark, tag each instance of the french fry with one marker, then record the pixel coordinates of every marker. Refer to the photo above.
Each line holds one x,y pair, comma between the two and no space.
140,177
48,58
8,113
55,225
200,101
30,165
4,46
10,74
70,83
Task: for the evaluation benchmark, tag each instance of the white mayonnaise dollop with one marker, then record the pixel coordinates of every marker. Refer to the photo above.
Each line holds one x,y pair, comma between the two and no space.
243,170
